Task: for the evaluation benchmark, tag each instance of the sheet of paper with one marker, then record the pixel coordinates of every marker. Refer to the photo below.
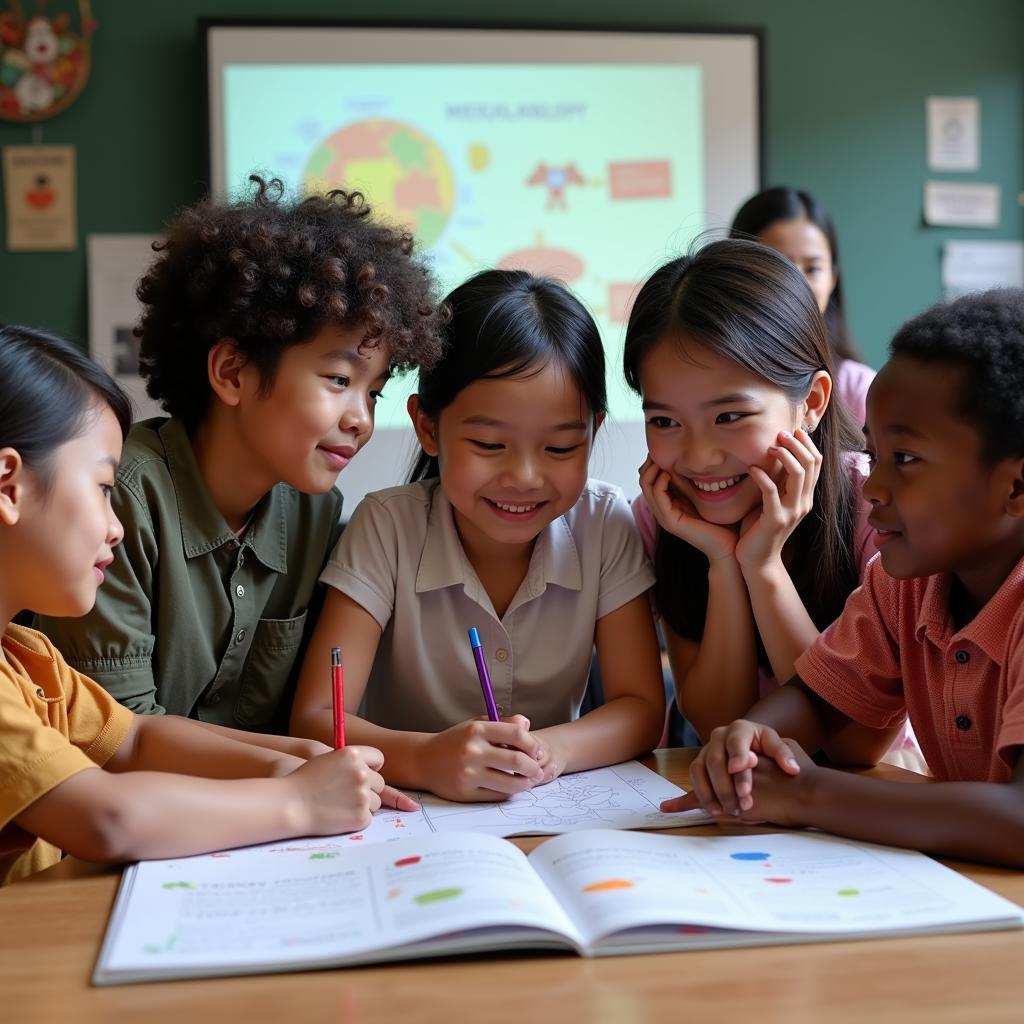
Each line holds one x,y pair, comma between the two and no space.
790,882
956,205
213,913
624,795
954,135
116,262
975,266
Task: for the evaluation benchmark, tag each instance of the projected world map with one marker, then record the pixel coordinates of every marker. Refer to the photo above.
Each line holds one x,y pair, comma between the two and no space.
402,170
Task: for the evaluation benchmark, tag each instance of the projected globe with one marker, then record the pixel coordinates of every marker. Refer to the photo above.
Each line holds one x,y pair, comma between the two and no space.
403,173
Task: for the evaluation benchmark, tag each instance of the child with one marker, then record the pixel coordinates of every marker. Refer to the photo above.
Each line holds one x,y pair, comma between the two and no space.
269,329
937,629
750,506
797,225
79,772
501,531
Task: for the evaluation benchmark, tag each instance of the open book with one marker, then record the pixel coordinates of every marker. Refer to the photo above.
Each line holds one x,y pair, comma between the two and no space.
596,893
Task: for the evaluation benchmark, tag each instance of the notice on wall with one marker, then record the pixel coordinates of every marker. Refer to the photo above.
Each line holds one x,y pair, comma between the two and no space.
954,135
39,191
955,205
975,266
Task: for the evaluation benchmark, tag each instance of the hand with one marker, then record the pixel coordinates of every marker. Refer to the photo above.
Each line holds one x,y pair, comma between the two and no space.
552,760
785,499
722,774
340,790
777,796
481,760
676,514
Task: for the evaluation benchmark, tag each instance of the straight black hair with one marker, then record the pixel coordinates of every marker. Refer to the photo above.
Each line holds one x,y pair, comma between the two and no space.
747,303
50,391
782,203
510,323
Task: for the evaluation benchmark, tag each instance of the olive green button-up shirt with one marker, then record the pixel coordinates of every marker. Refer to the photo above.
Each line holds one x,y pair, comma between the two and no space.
191,619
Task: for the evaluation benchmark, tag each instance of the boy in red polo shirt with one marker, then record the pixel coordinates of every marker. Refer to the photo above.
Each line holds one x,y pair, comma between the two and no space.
936,631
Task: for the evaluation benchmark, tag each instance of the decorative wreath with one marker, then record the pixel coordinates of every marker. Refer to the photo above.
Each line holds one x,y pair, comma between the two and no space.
44,64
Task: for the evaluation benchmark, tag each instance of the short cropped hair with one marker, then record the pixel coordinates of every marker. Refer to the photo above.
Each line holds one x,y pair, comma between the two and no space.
982,334
268,273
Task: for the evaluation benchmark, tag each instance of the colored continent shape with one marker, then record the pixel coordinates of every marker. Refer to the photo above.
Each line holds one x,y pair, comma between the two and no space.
402,172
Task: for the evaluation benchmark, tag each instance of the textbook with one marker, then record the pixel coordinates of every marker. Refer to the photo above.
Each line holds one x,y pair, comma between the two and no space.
595,893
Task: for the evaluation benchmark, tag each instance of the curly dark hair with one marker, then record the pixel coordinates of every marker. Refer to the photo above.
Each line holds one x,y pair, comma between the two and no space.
269,272
983,335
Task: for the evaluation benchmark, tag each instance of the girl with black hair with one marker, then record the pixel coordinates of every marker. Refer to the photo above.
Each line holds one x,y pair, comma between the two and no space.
80,772
751,491
500,530
797,225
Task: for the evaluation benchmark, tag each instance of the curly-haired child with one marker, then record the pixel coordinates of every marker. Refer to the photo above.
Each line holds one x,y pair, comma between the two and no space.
270,326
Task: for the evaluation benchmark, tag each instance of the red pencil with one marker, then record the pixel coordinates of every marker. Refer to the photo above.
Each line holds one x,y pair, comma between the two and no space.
338,694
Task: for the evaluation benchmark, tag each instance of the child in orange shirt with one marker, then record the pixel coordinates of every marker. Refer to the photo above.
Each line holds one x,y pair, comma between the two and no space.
936,631
79,772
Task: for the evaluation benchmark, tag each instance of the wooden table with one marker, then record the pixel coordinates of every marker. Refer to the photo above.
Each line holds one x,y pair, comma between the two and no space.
51,927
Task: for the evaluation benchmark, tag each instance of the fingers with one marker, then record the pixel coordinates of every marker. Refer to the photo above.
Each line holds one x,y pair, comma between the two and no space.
371,755
686,802
515,761
396,799
780,751
505,734
518,720
771,500
798,450
702,788
504,783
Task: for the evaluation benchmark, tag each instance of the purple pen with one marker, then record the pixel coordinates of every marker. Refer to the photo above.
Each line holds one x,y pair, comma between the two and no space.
481,671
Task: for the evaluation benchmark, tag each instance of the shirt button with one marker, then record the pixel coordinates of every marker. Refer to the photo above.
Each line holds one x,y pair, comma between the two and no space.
501,654
240,636
962,656
240,590
963,722
232,545
213,698
501,709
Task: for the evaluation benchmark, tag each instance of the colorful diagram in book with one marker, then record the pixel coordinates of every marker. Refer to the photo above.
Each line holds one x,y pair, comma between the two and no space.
565,170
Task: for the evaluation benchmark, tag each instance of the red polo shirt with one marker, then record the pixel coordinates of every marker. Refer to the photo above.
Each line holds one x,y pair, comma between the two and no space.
894,652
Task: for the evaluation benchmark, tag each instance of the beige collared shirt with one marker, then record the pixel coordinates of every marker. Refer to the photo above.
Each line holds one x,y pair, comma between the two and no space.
401,559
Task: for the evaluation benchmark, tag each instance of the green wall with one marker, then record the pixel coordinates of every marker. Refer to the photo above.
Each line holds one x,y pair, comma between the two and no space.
845,85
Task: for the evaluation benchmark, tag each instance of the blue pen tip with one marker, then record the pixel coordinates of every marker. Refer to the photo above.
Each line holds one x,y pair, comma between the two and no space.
474,637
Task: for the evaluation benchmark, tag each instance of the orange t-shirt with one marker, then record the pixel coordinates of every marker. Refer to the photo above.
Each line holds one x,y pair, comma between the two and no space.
54,723
894,652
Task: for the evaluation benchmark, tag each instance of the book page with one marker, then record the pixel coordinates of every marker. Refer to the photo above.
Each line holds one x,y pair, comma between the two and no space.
215,914
794,883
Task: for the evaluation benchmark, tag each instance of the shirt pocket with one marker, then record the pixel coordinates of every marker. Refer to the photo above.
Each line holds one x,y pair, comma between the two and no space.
268,670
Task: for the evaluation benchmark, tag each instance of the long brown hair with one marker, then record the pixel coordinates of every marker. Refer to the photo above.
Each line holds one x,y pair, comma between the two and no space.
745,302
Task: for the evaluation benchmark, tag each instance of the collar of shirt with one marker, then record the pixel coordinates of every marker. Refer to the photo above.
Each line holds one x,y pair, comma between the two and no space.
203,528
988,629
555,559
